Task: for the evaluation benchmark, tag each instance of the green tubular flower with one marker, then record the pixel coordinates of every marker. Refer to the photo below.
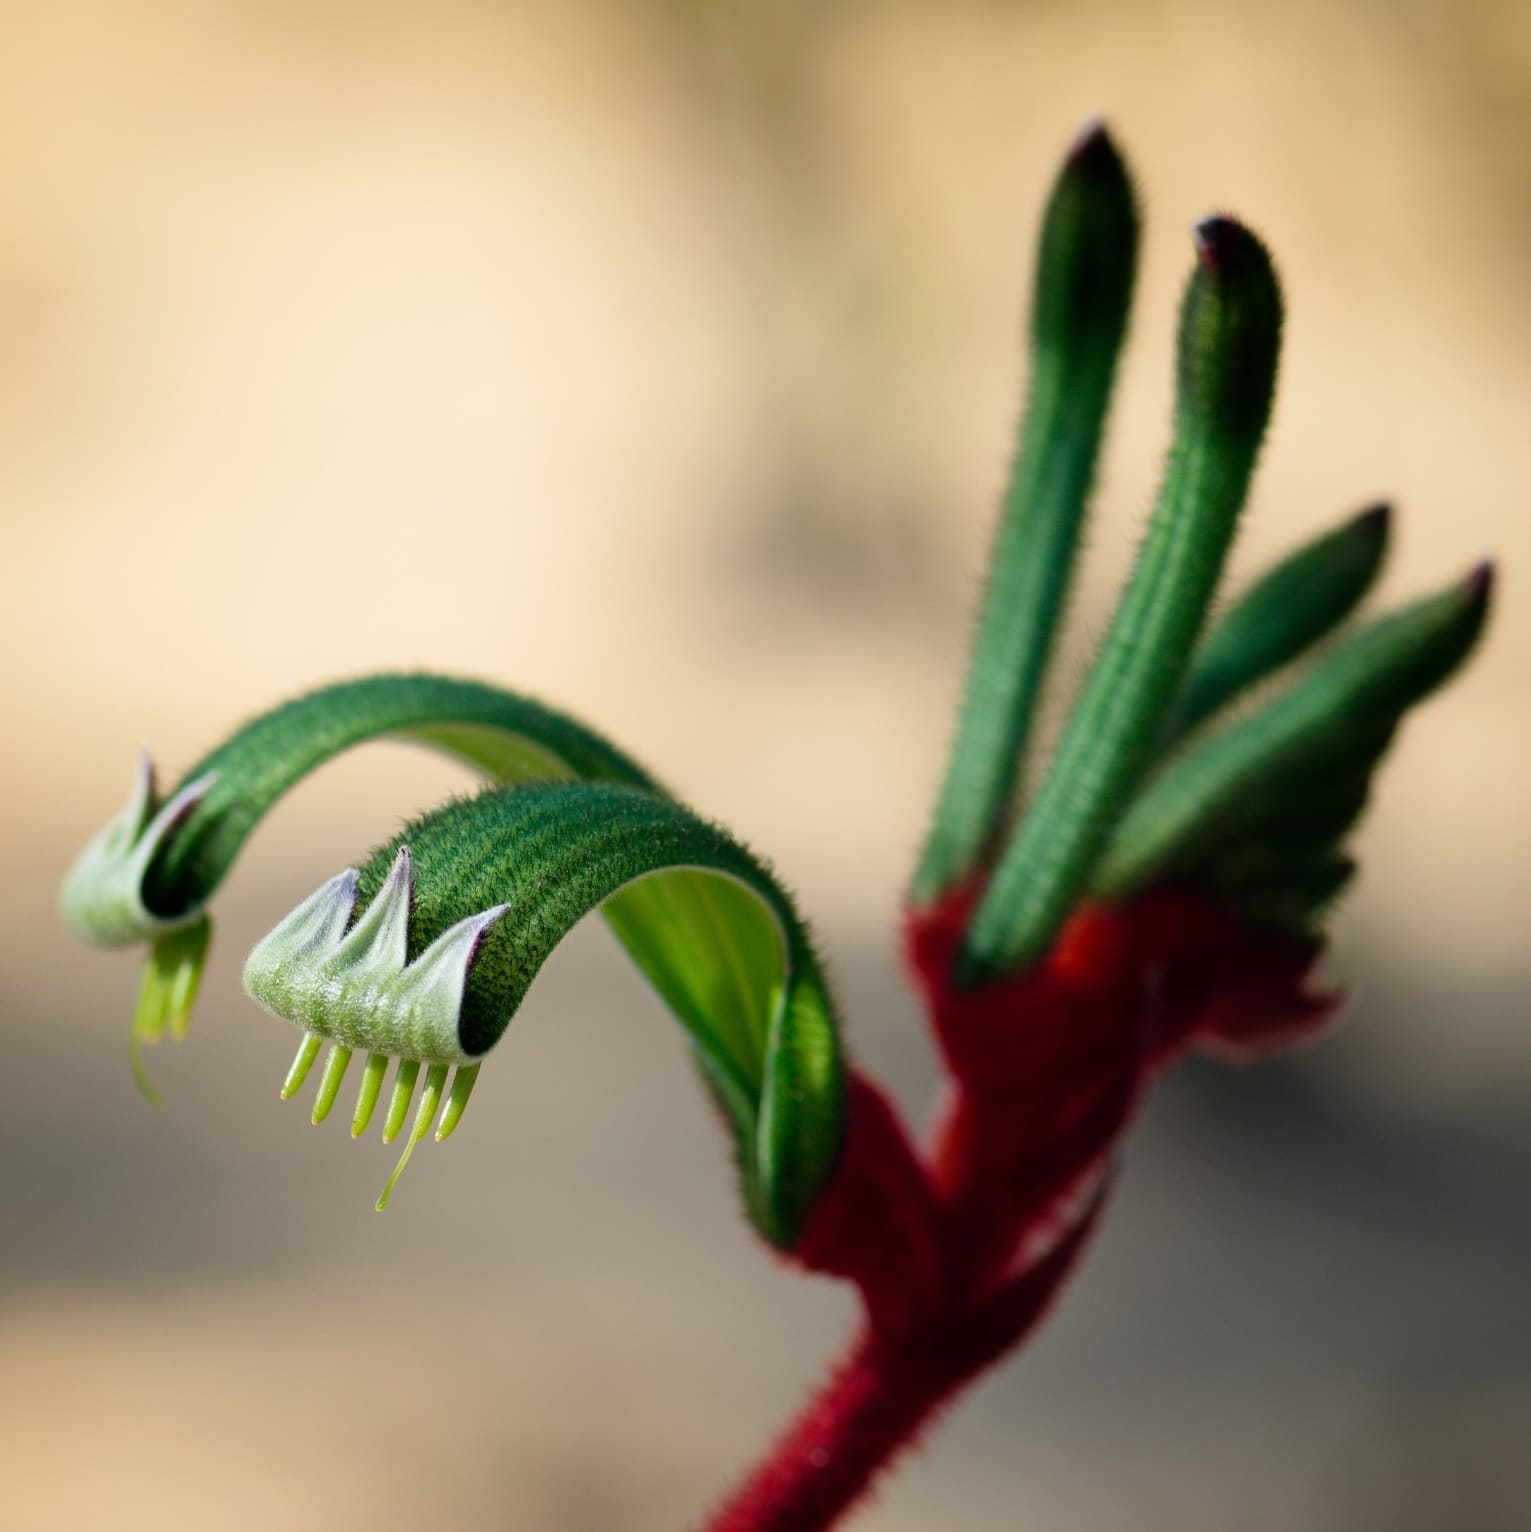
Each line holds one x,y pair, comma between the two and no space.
1255,810
1289,609
1230,330
149,875
1086,261
425,954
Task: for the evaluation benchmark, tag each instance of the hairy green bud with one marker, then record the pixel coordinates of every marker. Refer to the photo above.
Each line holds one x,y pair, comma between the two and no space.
1256,809
1085,267
1226,370
1283,614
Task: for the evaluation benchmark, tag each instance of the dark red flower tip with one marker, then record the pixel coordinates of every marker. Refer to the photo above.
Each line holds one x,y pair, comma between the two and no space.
1223,244
1479,585
1375,522
1093,144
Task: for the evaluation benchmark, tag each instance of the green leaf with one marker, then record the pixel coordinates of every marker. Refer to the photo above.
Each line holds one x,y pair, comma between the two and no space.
426,954
1281,616
1230,333
1084,278
1281,788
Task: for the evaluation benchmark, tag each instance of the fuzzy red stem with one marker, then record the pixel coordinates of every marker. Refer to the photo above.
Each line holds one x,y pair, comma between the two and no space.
880,1396
1048,1066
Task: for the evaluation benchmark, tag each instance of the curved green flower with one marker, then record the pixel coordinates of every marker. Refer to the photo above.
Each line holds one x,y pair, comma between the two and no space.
425,954
150,874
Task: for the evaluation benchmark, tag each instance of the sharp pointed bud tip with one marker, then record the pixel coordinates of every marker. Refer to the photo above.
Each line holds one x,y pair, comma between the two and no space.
1376,521
1479,585
1092,144
143,796
402,873
1221,241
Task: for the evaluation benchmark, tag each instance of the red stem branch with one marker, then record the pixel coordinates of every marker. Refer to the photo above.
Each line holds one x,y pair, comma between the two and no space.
958,1253
877,1400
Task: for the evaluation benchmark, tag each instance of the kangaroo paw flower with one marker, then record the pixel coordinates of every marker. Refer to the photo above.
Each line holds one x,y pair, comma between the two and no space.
1087,260
103,902
103,899
1162,889
1230,332
423,955
358,988
150,873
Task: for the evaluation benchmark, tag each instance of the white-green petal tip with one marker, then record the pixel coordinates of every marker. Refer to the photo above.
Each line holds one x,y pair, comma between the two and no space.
357,987
102,897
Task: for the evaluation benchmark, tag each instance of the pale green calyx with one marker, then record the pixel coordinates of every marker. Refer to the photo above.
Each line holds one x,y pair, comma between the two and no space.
425,954
103,896
358,989
355,987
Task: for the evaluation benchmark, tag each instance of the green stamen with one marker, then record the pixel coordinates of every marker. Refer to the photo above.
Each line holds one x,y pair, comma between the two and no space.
308,1051
435,1080
398,1105
366,1096
329,1081
462,1087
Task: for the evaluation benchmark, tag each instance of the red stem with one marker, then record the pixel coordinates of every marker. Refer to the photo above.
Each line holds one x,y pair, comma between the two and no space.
1048,1065
877,1400
872,1406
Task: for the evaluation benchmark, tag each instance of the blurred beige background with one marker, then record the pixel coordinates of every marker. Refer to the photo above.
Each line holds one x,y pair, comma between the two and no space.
661,360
